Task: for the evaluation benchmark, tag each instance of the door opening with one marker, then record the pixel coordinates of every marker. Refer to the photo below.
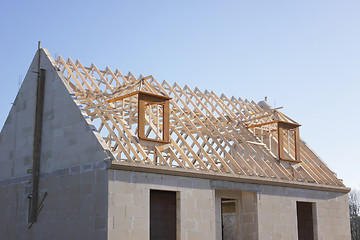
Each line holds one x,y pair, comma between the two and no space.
305,220
228,219
162,215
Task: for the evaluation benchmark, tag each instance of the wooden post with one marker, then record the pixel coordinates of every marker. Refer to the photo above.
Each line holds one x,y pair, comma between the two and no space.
297,143
141,116
280,141
166,121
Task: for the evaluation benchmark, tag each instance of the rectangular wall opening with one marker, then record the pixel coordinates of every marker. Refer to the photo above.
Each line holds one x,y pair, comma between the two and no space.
162,215
305,220
229,219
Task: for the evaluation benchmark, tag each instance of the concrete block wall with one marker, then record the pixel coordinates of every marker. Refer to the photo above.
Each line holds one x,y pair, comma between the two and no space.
96,203
68,137
129,205
16,136
73,165
277,213
267,212
75,206
277,217
249,207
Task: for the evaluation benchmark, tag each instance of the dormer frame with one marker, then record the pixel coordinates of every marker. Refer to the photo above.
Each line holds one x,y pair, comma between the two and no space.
144,99
153,99
281,126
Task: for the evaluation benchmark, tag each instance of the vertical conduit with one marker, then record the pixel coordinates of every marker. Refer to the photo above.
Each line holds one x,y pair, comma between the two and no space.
39,109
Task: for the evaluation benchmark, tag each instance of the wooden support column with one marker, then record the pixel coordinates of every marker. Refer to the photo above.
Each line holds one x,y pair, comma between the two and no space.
280,130
297,143
166,121
141,116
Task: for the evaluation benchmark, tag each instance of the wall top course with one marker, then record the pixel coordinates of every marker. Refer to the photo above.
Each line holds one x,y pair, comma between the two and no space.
158,181
229,179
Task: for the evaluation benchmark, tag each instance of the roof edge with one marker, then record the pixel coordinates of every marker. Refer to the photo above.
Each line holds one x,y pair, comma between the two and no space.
115,165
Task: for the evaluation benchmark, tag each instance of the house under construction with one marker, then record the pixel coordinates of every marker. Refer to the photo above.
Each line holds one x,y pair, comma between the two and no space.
94,154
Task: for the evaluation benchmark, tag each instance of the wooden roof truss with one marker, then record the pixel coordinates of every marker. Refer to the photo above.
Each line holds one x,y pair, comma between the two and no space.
207,132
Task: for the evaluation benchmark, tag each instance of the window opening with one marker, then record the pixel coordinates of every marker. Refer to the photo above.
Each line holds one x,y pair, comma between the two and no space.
281,138
152,115
288,135
153,122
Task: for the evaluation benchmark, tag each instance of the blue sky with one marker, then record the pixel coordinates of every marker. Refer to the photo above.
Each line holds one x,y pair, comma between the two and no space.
302,55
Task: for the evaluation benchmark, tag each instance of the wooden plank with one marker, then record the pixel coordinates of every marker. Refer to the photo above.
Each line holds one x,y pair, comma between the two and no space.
124,96
262,124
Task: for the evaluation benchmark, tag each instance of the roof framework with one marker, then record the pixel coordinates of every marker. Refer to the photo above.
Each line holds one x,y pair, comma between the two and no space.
207,132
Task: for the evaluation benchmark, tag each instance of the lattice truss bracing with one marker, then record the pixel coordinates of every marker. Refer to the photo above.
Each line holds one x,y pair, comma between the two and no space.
207,132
